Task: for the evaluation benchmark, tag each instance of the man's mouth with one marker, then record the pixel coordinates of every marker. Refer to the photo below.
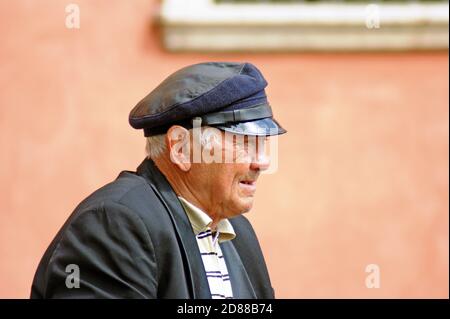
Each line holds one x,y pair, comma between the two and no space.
249,186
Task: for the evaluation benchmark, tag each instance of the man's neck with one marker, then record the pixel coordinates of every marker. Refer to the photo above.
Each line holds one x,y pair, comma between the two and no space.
182,189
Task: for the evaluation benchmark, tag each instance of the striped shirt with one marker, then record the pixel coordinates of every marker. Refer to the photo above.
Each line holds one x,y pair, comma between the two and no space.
208,245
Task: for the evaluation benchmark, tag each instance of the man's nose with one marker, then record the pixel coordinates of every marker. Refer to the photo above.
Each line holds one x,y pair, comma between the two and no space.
260,162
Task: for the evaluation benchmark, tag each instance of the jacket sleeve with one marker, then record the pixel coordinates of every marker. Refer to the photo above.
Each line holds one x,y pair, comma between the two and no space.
109,250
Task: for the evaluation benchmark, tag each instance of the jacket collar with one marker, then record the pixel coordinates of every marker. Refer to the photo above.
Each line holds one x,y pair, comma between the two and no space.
201,222
199,284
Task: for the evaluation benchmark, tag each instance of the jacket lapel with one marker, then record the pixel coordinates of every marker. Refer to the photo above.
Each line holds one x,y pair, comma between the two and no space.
240,282
185,235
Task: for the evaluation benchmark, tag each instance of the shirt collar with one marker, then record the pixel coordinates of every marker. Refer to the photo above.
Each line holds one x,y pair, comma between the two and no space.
201,222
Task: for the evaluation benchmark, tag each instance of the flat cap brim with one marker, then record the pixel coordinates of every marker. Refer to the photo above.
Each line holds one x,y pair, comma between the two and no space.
262,127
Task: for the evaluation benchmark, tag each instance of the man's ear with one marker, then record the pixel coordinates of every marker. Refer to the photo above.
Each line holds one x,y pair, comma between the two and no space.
178,144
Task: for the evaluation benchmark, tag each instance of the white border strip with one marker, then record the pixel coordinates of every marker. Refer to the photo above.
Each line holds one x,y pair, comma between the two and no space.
208,12
203,25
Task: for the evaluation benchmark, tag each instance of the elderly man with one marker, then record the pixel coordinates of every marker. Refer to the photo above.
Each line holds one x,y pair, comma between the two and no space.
174,228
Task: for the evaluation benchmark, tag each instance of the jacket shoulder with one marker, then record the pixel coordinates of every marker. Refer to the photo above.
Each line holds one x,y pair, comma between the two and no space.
103,226
131,194
117,191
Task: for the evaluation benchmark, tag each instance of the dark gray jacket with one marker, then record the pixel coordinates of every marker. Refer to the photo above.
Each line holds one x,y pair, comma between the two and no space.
132,239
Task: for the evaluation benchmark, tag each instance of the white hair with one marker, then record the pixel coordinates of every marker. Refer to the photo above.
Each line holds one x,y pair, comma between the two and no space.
155,146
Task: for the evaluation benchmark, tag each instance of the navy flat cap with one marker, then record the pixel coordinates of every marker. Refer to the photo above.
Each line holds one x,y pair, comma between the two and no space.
226,95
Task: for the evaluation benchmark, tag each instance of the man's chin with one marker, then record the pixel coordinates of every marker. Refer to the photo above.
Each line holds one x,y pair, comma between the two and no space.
246,205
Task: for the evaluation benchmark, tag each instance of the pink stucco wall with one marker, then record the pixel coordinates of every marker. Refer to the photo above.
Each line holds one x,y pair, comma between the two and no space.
362,176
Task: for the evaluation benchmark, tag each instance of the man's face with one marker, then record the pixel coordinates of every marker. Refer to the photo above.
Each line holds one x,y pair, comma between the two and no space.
227,187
